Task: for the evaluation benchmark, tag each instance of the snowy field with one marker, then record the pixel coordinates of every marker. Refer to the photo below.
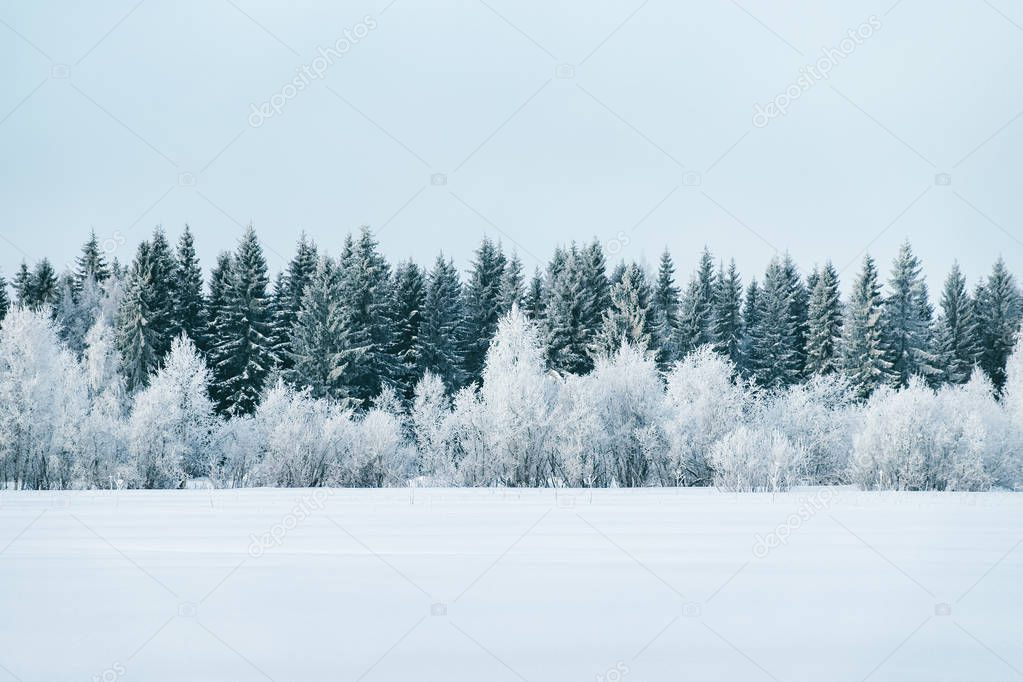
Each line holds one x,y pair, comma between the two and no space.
647,584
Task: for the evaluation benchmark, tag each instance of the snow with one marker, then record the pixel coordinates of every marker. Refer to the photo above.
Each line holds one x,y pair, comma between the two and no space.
494,584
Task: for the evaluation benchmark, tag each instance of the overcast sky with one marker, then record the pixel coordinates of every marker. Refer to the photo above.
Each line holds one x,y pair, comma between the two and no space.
535,122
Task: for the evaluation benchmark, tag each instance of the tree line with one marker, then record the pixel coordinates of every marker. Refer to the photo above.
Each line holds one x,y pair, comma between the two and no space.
344,327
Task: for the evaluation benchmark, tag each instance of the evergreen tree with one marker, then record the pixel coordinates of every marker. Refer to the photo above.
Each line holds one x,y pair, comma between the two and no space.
727,313
824,324
243,355
665,309
511,288
598,289
535,298
482,305
5,299
189,304
137,336
696,321
409,298
440,333
162,293
752,362
91,264
864,356
567,340
998,316
23,286
629,319
289,292
957,330
364,362
798,304
313,343
43,286
907,322
777,339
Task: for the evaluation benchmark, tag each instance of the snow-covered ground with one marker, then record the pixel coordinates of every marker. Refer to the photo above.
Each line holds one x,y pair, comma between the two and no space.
616,585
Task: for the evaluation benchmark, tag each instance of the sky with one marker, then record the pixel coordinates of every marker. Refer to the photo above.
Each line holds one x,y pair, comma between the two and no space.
825,129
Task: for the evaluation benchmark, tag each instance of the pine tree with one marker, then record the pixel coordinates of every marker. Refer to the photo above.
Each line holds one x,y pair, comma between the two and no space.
482,306
440,334
665,308
598,289
189,304
998,311
243,355
23,286
408,300
629,319
535,298
776,342
957,330
824,324
5,299
91,264
288,294
364,362
313,343
566,338
864,355
511,288
798,302
727,313
695,321
162,293
43,287
137,337
907,322
752,362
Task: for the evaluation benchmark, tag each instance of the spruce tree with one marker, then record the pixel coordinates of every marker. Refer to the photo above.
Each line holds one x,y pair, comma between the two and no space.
629,318
364,362
288,294
43,286
440,333
777,339
864,356
824,323
408,300
91,264
695,320
243,355
313,342
567,339
907,322
752,361
665,308
138,338
957,330
998,315
23,286
727,313
482,305
798,303
162,293
5,299
598,289
535,298
511,288
189,304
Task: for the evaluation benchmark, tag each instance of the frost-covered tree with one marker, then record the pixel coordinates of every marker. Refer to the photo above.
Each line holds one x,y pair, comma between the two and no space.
776,341
5,299
511,291
430,409
751,358
727,313
665,306
172,421
243,357
440,335
755,458
567,327
702,404
102,439
43,399
999,310
824,324
92,263
517,400
139,323
629,319
956,336
907,317
864,356
287,299
482,305
314,343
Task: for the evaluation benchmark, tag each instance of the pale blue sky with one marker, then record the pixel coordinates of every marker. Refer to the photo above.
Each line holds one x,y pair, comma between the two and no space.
110,108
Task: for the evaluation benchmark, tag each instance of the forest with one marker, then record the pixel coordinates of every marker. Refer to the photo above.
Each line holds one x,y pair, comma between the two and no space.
347,371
